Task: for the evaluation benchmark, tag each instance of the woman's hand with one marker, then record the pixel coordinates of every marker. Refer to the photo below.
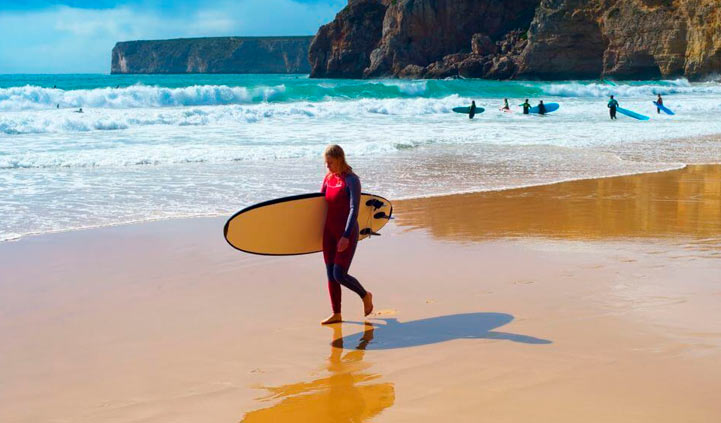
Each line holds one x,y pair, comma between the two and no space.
343,244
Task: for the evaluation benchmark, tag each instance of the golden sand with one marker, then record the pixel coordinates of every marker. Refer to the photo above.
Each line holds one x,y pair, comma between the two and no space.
593,301
684,202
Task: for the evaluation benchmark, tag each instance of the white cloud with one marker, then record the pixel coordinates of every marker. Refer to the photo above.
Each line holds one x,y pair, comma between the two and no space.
65,40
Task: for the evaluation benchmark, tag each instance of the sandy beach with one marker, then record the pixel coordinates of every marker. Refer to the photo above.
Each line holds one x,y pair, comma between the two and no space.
593,301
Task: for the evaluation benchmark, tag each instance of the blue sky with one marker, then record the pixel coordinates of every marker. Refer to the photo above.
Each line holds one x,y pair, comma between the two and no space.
50,36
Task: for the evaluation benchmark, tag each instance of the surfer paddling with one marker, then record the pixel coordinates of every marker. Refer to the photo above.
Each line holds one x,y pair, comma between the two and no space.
342,191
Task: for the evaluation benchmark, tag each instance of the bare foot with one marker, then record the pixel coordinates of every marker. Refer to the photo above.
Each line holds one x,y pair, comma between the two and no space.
333,318
368,303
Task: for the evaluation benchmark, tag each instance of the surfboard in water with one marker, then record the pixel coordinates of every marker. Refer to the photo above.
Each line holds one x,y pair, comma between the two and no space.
664,108
467,110
550,107
632,114
294,225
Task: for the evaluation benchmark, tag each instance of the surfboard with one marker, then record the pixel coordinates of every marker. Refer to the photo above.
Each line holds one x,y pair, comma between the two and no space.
550,107
664,108
467,110
632,114
294,225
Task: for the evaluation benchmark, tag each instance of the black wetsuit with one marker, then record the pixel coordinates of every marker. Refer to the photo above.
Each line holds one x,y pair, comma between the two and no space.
526,107
612,106
541,109
472,111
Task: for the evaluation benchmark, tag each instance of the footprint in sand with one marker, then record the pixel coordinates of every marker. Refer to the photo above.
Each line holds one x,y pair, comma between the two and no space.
523,282
386,312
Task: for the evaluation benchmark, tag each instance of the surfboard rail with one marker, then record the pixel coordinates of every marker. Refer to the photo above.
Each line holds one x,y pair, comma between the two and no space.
294,225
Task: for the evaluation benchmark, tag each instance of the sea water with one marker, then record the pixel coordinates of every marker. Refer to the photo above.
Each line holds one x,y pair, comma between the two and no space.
165,146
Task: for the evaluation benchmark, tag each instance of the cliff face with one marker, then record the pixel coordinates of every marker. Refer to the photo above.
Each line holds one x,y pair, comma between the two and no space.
341,49
548,39
213,55
624,39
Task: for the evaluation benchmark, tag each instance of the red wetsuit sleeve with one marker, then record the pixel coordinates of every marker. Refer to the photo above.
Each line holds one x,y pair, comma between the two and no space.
325,183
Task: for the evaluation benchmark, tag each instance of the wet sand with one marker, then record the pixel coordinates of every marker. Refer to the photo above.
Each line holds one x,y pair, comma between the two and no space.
590,301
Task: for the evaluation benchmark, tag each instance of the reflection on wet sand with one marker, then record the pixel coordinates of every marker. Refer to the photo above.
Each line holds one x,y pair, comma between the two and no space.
685,202
347,395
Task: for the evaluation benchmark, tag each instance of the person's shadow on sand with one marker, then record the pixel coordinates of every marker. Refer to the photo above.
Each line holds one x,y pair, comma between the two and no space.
395,334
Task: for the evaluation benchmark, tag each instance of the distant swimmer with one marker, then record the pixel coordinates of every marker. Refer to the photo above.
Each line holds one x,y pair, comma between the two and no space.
526,107
80,110
505,107
57,106
612,106
659,102
541,108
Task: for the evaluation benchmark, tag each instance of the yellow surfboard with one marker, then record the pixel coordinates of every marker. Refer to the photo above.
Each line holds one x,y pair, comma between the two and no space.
294,225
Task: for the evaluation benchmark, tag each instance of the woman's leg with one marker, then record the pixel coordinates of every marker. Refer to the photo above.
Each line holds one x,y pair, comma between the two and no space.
333,289
340,273
329,253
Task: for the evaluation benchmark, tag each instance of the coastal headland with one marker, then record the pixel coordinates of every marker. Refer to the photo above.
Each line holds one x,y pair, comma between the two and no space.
525,39
212,55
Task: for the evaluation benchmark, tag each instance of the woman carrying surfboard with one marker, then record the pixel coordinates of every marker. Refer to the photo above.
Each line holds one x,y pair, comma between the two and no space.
342,190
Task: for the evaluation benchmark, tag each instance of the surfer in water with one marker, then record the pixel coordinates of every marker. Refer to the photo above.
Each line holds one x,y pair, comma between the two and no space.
505,107
541,108
472,111
526,107
612,106
342,191
659,102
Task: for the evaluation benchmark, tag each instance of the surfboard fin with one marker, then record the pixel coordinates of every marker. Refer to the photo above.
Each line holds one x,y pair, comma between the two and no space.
382,215
376,204
369,232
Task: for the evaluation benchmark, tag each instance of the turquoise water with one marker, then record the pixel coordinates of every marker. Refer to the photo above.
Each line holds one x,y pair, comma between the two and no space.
288,88
163,146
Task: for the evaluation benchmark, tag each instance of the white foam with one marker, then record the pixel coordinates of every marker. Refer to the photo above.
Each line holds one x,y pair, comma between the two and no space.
137,96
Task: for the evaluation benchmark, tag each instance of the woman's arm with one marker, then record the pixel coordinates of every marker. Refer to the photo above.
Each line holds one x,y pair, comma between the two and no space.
354,192
325,183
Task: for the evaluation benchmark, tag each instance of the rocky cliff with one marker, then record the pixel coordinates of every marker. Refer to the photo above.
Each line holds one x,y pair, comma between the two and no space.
547,39
213,55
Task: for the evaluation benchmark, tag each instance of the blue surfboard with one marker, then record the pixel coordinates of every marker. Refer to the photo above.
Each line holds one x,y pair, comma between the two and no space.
632,114
550,107
664,108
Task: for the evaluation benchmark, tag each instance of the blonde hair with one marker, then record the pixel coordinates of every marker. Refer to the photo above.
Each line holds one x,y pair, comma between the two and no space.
335,151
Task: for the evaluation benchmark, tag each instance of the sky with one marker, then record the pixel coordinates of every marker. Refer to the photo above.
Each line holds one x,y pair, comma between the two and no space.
47,36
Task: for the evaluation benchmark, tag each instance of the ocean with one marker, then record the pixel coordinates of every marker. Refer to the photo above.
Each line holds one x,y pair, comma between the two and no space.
150,147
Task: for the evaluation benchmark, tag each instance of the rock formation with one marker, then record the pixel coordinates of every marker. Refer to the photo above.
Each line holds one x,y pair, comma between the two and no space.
539,39
213,55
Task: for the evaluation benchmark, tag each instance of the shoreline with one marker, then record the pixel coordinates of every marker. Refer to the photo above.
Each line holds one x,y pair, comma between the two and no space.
399,199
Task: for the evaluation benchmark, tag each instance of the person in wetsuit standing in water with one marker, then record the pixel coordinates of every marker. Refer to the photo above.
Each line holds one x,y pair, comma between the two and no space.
612,106
526,107
541,108
659,101
472,111
342,190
